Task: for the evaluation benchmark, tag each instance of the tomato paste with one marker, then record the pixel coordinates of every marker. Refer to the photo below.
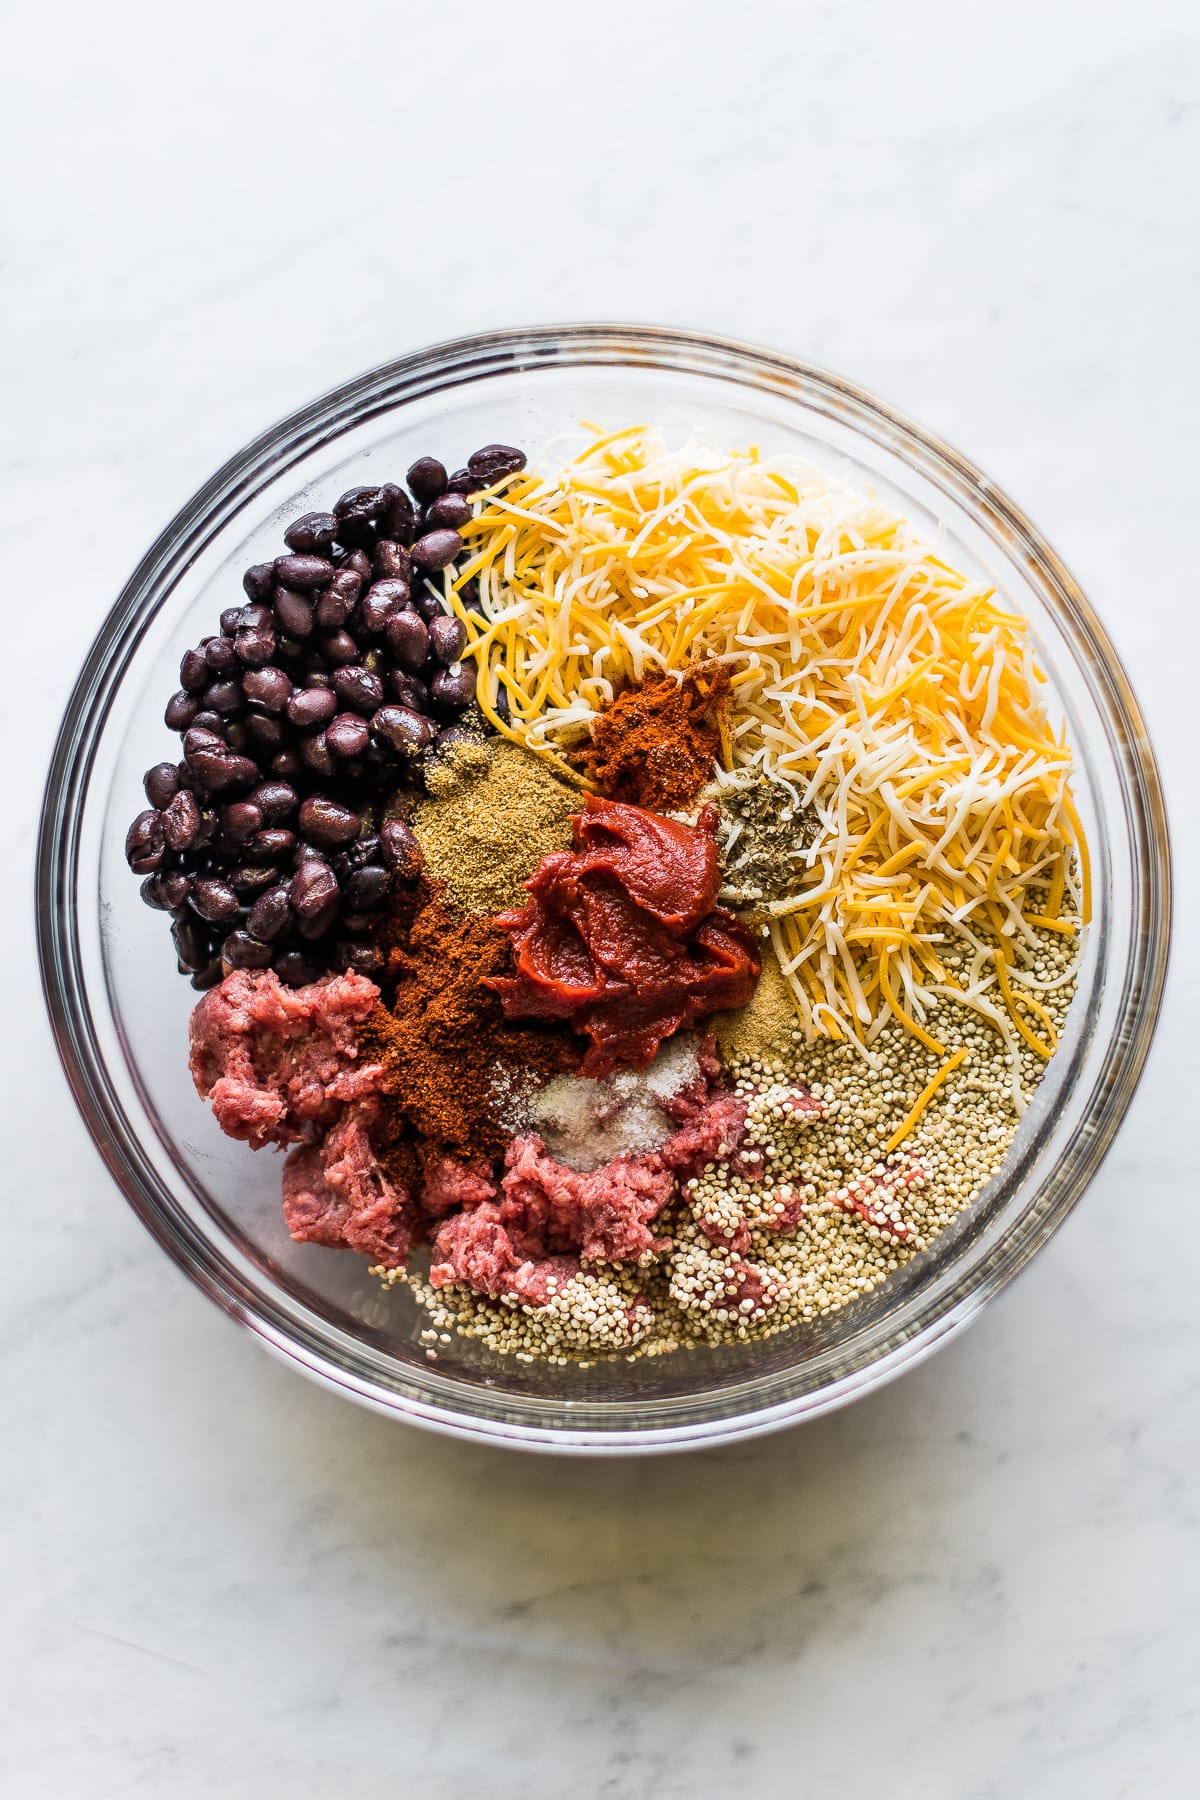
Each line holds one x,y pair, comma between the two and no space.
621,937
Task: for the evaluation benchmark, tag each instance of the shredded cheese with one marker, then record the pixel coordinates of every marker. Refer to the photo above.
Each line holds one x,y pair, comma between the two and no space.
889,692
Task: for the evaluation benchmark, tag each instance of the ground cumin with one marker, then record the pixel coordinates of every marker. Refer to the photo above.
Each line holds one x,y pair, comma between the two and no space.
767,1028
494,810
442,1036
656,743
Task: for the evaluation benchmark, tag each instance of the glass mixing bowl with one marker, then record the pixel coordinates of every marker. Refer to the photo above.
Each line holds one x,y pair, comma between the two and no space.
119,1012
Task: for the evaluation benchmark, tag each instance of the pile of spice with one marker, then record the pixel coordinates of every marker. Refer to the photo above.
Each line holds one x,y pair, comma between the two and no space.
614,1011
656,743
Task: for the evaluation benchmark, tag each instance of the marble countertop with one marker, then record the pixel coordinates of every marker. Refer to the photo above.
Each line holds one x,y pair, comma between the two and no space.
218,1580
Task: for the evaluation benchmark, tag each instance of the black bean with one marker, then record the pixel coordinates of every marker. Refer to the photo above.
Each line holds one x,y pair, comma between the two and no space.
210,721
287,649
180,710
224,696
208,976
451,510
303,573
286,764
363,850
407,639
235,735
217,771
268,688
275,800
273,844
357,688
428,604
315,754
426,479
469,595
161,784
240,820
167,891
463,482
390,561
145,842
312,534
451,736
359,959
347,735
314,888
356,513
255,648
376,609
357,564
214,899
327,824
191,943
265,733
181,821
396,518
207,831
338,647
312,707
256,618
447,638
220,656
453,688
257,581
401,848
332,610
296,969
437,549
319,924
193,671
293,612
408,691
495,460
366,888
251,878
241,951
502,708
269,915
231,621
404,730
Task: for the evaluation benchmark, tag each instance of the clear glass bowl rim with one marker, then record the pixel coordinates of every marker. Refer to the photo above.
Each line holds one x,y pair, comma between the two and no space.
451,363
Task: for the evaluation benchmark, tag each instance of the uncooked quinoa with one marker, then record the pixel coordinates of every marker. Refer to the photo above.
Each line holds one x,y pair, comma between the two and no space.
640,895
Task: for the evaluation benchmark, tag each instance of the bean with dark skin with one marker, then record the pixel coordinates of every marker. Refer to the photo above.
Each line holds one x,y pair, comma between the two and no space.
381,602
315,754
332,609
357,688
310,708
265,733
303,573
256,617
167,891
406,731
453,688
214,899
191,945
428,605
181,821
396,517
447,638
270,915
255,648
312,534
219,656
363,959
327,824
437,549
463,482
407,691
347,735
252,878
161,784
451,510
194,670
275,800
356,512
241,951
285,764
390,561
224,696
366,888
293,612
401,849
180,710
314,888
231,621
357,567
211,722
274,844
408,640
257,581
216,773
269,688
426,479
338,647
494,461
296,969
240,820
145,843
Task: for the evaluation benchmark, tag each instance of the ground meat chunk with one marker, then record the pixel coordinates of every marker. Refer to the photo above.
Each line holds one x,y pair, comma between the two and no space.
476,1248
454,1185
279,1062
336,1193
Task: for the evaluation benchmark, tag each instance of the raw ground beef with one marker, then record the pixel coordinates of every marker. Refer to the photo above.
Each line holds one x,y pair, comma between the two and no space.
336,1193
278,1062
543,1213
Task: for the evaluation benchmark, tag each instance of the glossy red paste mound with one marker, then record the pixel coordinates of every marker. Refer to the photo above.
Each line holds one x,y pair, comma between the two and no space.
621,937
